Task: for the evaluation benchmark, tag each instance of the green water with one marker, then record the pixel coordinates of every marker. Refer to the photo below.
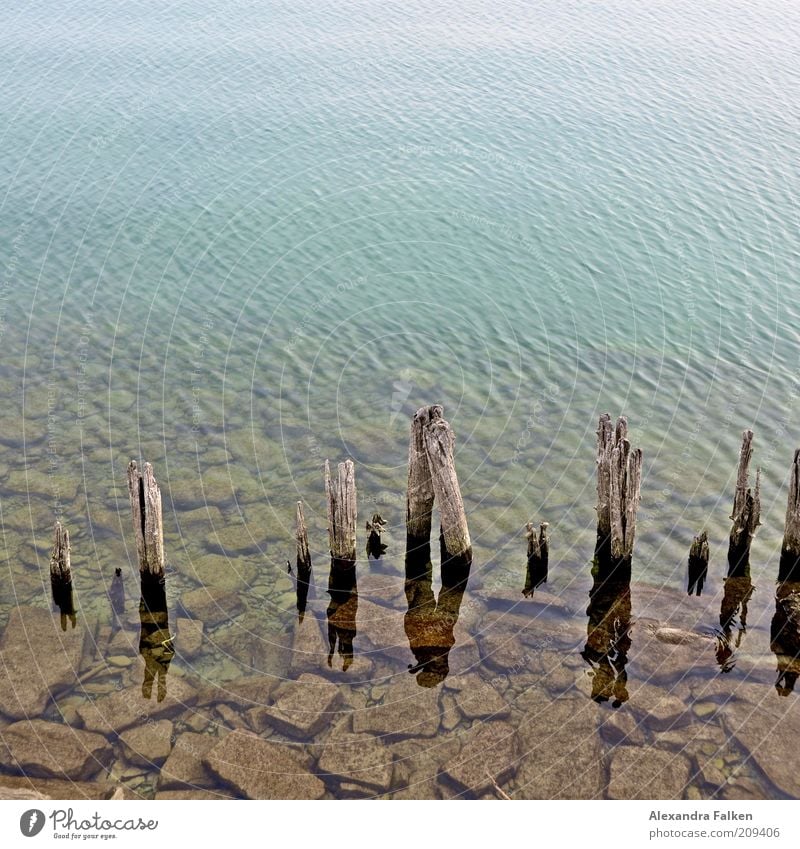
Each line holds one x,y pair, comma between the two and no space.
237,240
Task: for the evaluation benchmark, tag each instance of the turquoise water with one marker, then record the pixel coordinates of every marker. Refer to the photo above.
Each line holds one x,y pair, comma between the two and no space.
239,238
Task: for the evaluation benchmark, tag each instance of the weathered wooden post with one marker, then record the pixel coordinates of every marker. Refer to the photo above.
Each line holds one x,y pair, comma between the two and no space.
440,446
155,640
342,585
746,513
789,569
375,547
619,480
538,556
61,576
342,511
785,628
698,564
145,497
420,495
303,561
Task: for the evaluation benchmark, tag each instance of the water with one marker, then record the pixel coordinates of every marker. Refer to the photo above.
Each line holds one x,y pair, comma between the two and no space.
239,240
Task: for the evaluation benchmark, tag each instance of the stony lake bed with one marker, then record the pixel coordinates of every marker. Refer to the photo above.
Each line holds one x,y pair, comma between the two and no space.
520,712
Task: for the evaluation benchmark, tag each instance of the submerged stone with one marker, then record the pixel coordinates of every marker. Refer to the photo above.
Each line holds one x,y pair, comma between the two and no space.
212,605
306,706
488,755
184,768
148,744
648,773
39,660
51,750
262,769
358,759
123,708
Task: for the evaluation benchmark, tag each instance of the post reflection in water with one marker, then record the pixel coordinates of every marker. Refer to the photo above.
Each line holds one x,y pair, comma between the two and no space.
608,638
733,615
429,621
785,635
342,610
64,600
155,640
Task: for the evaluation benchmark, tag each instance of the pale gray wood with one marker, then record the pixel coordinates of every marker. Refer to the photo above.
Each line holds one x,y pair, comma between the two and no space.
791,531
301,538
699,549
60,567
342,510
746,514
605,444
619,481
145,497
440,446
420,495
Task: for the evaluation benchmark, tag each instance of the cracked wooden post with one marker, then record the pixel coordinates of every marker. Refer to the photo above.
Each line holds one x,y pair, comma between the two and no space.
619,480
342,511
789,569
440,441
375,548
538,555
746,515
61,576
698,564
785,627
420,495
303,561
342,585
145,499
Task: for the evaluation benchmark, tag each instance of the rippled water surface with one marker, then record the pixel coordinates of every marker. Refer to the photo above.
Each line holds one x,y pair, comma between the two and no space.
239,238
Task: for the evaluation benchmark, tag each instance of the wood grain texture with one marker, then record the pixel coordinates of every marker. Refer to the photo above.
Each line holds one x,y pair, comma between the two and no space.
145,498
342,510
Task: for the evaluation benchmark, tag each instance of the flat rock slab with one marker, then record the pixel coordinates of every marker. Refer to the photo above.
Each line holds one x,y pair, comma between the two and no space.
647,773
261,769
357,759
15,787
148,744
233,574
212,605
184,768
488,755
561,755
51,750
246,692
306,706
189,639
125,708
767,727
407,710
39,661
476,698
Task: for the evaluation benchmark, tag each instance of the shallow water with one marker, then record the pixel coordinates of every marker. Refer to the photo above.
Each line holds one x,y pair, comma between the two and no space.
237,241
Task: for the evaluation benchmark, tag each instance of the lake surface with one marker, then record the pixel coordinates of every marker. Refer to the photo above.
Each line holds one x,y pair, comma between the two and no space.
238,239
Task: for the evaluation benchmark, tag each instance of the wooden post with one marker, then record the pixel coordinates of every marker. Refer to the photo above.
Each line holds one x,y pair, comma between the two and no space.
698,564
746,513
303,561
789,569
342,511
145,499
420,497
619,480
61,576
538,555
375,548
439,446
60,568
